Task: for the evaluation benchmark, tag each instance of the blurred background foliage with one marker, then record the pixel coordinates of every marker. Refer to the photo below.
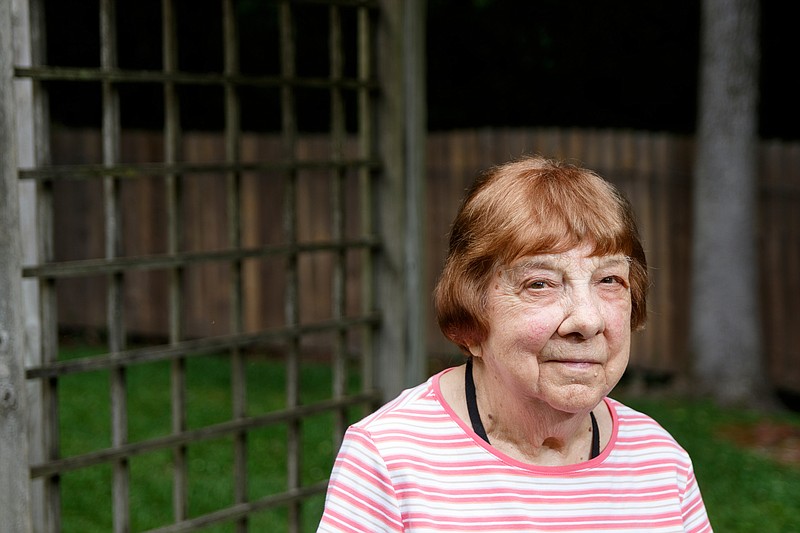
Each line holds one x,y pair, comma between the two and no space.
576,63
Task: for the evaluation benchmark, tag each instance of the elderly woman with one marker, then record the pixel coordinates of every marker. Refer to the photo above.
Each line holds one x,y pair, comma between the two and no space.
544,282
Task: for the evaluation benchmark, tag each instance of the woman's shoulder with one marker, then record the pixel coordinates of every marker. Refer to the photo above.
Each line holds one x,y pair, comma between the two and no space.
638,429
629,416
416,403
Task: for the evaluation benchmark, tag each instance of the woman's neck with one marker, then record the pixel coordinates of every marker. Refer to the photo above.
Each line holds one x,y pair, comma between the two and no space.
530,430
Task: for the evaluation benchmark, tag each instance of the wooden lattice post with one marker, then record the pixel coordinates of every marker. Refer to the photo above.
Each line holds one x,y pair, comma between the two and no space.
14,479
401,294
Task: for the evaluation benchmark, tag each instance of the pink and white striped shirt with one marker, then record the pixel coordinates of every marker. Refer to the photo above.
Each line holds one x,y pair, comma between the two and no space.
413,465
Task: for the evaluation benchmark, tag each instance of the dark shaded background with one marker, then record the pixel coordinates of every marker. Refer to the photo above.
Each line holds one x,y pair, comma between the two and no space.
568,63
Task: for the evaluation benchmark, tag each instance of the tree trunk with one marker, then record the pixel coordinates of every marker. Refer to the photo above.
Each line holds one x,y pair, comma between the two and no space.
725,322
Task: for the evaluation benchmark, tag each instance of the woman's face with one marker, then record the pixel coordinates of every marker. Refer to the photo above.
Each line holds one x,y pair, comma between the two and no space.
559,328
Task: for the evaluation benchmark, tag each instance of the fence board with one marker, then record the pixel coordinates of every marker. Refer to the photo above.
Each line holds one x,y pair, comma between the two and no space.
653,169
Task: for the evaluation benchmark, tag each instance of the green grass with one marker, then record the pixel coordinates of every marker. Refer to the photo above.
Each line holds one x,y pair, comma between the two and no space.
744,491
85,426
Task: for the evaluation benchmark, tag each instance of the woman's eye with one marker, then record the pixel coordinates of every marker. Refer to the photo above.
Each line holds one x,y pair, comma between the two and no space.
538,284
613,280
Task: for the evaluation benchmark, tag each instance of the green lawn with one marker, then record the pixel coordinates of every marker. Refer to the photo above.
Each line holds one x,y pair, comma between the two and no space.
744,490
86,426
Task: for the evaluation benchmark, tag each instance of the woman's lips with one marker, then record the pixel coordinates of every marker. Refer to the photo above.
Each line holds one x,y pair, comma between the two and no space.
575,364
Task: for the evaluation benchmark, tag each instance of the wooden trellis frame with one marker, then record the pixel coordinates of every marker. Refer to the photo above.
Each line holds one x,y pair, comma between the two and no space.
388,164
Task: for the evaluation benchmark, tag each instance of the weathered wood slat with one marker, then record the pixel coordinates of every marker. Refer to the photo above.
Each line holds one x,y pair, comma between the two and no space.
140,170
290,497
223,429
14,488
88,267
192,347
113,75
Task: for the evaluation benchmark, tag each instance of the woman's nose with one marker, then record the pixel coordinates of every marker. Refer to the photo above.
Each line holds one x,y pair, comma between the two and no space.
583,317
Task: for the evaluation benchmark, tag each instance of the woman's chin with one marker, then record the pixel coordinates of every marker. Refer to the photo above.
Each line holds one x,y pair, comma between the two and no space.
576,397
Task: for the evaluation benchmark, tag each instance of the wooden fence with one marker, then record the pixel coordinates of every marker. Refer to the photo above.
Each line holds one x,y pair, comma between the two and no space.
654,170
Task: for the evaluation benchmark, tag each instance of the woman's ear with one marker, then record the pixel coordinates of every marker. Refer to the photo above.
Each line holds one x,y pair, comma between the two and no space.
475,350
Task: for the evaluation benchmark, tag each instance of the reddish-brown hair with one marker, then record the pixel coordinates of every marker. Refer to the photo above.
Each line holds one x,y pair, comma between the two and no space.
526,207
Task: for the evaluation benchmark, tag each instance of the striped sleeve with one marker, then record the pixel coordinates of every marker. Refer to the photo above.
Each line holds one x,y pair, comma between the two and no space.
695,518
360,494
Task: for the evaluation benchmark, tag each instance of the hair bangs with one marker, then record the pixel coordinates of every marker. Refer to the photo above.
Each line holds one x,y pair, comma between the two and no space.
558,216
